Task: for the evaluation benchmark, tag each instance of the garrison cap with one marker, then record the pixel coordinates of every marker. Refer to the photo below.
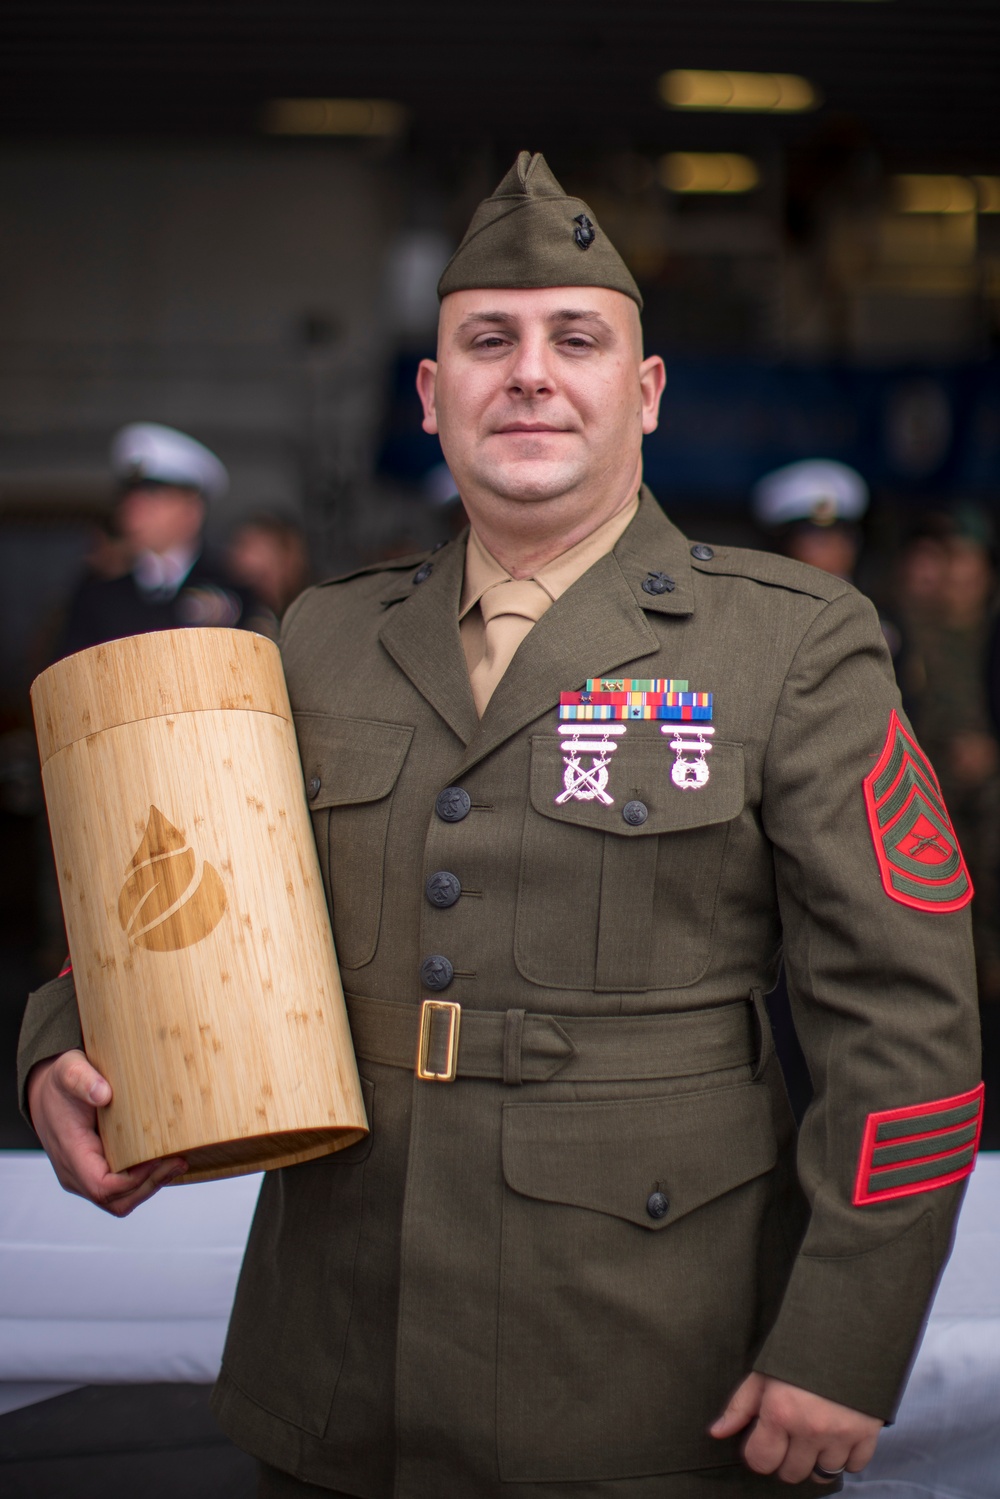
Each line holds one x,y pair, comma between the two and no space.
146,453
529,233
818,490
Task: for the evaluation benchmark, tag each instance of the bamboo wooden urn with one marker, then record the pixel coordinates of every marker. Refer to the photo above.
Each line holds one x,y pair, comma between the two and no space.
206,977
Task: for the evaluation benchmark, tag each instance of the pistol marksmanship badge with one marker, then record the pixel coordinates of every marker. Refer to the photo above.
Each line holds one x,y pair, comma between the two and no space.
587,782
690,744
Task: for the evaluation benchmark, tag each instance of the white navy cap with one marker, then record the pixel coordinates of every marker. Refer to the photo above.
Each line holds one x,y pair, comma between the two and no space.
819,490
146,453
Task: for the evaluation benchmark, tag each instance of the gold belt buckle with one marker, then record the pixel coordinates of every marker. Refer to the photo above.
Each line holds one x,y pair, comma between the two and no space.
437,1050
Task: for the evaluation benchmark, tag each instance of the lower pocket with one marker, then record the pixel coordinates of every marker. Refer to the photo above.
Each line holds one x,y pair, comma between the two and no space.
289,1324
629,1300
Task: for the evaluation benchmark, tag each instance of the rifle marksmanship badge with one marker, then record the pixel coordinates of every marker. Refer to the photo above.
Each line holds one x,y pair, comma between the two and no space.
918,855
586,755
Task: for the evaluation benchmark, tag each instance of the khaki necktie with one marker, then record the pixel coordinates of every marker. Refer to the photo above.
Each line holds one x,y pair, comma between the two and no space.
509,610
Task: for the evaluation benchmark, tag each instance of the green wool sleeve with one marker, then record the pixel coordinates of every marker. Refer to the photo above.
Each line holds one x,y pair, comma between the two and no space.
51,1025
883,996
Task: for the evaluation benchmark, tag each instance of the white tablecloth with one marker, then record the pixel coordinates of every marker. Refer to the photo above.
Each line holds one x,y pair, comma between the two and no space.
946,1441
85,1299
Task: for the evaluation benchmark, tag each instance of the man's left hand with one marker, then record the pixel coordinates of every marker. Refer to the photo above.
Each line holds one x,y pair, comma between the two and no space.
794,1431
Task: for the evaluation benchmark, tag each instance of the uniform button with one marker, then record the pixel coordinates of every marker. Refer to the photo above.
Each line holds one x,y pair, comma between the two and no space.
436,972
314,787
423,573
702,552
452,804
658,583
635,813
443,889
657,1205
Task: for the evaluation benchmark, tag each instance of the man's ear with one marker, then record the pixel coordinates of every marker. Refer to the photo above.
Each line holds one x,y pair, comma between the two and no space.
426,390
652,381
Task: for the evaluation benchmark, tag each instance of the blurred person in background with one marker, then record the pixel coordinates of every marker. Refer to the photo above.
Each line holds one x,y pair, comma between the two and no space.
165,482
947,586
267,554
811,512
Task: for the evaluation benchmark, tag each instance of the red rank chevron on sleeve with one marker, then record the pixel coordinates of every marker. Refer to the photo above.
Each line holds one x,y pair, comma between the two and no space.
918,855
914,1149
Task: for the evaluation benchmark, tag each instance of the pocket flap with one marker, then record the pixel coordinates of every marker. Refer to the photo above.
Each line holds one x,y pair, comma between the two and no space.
611,1157
353,759
638,769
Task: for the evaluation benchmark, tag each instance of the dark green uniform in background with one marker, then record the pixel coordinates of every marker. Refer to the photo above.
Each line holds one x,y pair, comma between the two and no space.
547,1276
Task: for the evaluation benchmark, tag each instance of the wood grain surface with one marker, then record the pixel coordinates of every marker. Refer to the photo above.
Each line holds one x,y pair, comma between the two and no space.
205,972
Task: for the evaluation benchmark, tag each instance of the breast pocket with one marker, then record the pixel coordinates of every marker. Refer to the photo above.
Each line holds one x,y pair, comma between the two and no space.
628,1305
351,766
617,890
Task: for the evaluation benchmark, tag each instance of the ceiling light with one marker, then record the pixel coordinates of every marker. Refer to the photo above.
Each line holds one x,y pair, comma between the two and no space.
989,194
708,172
763,93
333,117
915,192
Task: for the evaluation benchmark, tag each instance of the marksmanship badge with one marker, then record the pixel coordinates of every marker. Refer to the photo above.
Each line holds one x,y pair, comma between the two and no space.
918,855
595,743
690,744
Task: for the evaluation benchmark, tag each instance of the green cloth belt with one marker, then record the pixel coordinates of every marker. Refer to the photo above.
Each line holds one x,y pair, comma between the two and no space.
514,1046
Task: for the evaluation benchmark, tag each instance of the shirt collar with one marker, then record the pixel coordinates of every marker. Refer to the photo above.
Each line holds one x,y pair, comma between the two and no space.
163,572
482,570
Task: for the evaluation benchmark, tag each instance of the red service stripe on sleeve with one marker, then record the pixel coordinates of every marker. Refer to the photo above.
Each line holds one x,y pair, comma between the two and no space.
920,1160
66,968
918,1148
867,1174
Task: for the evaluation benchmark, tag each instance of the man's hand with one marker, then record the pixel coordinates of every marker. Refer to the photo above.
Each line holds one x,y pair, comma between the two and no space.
64,1094
794,1430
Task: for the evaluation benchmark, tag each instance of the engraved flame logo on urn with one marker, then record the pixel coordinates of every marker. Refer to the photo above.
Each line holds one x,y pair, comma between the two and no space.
162,907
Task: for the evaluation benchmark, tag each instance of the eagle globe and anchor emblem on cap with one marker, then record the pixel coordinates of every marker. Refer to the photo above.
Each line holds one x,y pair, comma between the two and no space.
918,855
584,233
163,906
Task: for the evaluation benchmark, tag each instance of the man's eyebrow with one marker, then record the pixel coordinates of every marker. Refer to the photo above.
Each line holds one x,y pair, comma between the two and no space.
563,316
580,315
475,318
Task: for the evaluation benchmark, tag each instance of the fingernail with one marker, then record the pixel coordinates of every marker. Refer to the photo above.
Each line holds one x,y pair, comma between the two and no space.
99,1091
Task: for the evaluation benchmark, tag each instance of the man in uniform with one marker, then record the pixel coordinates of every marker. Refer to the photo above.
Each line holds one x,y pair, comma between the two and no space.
575,782
165,481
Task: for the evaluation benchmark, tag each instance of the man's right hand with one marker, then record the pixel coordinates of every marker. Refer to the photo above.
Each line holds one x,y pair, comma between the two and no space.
64,1094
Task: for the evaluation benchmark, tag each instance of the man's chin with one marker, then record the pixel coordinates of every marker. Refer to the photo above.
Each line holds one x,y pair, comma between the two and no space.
533,483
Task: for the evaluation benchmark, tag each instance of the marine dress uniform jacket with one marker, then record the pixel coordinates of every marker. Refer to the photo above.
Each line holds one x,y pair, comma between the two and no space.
545,1277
